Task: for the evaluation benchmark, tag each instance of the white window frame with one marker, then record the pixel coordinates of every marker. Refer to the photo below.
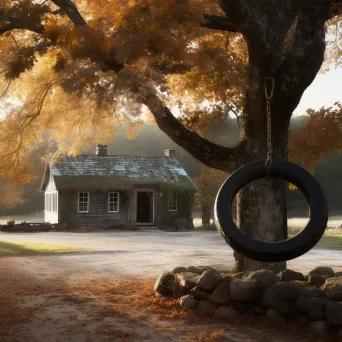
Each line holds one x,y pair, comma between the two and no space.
172,199
78,202
118,202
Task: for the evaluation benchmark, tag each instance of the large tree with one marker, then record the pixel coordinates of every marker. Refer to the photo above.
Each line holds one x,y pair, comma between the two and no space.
74,67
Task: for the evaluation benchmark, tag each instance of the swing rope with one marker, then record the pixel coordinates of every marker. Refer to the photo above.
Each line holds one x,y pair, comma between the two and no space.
269,91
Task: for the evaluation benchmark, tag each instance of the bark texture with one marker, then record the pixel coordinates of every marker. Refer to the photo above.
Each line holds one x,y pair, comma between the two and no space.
285,41
206,215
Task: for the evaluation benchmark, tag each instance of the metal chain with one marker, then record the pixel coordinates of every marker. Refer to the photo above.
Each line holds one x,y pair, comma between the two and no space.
269,91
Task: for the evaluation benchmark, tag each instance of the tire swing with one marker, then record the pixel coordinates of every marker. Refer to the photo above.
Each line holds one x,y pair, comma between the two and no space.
303,180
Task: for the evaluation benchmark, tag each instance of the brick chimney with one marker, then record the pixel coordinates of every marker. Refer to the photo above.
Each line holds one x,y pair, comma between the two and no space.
171,154
101,150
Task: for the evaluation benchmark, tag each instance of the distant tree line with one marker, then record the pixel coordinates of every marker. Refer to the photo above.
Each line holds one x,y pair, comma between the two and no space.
149,140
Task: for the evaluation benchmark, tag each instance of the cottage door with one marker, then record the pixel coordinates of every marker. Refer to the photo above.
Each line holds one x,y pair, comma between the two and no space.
144,207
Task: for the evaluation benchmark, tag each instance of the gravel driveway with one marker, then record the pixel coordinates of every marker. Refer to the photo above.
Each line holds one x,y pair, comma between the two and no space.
143,253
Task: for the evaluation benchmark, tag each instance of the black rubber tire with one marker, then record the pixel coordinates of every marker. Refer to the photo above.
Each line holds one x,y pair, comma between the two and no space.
280,250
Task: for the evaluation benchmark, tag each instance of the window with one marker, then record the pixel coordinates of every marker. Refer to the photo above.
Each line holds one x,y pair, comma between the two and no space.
83,202
172,202
51,201
113,201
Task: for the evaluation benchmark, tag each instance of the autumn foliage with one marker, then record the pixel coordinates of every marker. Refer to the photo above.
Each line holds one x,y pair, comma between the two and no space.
318,137
58,78
67,80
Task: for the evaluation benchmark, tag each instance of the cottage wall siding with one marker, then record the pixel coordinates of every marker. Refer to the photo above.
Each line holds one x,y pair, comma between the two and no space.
184,207
98,208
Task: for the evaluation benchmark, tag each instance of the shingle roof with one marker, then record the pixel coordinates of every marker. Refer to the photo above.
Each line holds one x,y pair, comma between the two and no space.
104,171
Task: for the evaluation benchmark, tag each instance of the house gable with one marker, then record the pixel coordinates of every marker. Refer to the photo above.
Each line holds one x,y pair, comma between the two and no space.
48,182
51,185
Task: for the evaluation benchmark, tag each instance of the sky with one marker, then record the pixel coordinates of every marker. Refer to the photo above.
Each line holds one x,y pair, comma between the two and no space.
325,90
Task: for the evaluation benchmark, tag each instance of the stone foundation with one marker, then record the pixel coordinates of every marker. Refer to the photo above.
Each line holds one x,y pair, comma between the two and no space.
281,298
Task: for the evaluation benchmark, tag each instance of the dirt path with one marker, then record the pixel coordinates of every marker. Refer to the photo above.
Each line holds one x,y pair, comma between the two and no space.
144,254
112,309
92,296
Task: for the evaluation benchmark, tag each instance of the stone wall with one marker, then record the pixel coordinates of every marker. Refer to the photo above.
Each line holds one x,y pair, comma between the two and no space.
281,298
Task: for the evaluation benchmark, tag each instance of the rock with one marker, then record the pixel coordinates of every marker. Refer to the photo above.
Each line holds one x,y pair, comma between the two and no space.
311,291
282,297
242,307
227,278
180,224
239,275
209,280
165,284
338,274
220,296
187,280
190,224
315,279
333,313
129,226
179,270
275,317
312,307
226,312
188,302
258,310
327,276
207,307
323,270
339,333
199,294
333,288
319,328
244,290
197,269
333,279
289,275
264,278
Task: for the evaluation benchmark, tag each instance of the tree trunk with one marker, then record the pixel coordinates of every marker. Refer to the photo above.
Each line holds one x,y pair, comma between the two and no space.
262,214
206,215
261,206
286,42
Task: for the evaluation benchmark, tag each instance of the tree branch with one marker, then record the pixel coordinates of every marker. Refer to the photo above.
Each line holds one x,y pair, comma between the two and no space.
216,22
219,157
335,9
70,9
6,89
304,57
210,154
20,25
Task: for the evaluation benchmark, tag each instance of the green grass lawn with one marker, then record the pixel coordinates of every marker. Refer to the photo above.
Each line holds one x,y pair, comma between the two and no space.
29,248
330,242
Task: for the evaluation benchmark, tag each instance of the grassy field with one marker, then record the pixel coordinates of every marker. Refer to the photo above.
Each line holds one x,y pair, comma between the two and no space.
27,248
332,238
330,242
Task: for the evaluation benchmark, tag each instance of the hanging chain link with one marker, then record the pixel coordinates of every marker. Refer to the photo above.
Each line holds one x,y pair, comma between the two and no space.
269,91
